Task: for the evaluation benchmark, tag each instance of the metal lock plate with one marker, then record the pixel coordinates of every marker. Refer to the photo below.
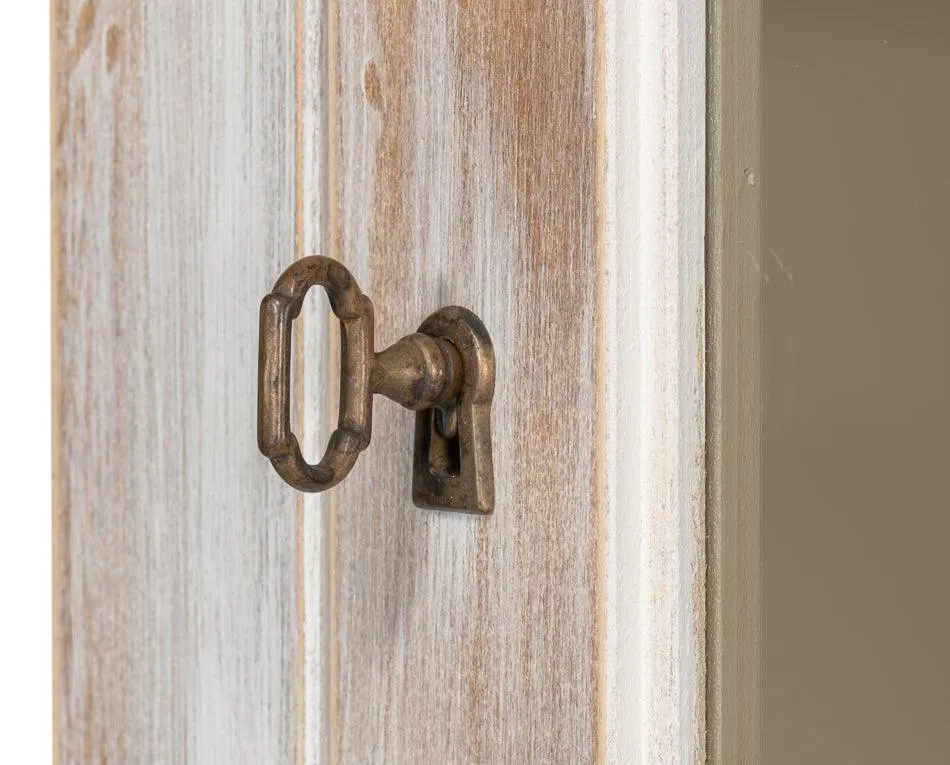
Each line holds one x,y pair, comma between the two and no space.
452,463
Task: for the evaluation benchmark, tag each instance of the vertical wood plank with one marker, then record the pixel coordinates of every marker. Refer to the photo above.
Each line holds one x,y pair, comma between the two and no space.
466,169
654,316
735,406
532,165
176,622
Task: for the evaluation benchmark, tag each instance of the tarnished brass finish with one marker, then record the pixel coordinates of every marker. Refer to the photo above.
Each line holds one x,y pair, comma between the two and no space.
445,372
418,372
452,465
278,311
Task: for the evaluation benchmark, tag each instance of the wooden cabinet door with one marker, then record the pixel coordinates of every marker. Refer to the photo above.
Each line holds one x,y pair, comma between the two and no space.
542,164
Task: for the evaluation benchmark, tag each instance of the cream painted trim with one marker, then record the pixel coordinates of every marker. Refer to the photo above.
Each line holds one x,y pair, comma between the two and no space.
655,101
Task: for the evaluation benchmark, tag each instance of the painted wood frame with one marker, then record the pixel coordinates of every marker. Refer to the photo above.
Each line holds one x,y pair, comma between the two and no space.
734,405
654,423
543,166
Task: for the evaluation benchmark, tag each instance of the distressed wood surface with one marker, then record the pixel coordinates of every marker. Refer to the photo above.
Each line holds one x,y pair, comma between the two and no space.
527,163
175,559
654,376
734,340
523,162
464,146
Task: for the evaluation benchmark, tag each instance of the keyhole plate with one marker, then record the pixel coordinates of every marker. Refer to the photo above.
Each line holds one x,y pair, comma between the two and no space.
452,466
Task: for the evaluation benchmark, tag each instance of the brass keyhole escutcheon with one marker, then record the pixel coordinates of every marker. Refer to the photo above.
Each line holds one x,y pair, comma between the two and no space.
445,372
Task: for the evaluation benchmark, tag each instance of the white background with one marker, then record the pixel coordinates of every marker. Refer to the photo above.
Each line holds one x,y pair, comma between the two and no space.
25,424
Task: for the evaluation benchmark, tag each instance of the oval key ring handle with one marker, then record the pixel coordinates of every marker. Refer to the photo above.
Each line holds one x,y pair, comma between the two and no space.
352,435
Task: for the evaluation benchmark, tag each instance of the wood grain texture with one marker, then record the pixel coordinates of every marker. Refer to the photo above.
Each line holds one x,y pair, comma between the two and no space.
519,161
734,340
465,175
654,317
477,154
175,560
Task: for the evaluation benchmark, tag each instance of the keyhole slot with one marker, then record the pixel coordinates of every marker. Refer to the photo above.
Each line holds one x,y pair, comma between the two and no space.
445,455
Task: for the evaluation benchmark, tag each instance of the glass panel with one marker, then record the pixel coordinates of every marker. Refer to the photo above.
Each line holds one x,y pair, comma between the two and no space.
857,382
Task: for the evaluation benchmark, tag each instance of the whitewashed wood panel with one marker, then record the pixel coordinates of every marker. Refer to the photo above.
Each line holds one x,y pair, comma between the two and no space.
466,167
175,574
655,337
544,167
527,163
